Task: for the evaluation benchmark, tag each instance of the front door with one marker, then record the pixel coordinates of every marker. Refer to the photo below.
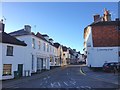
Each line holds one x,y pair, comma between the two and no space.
20,69
41,63
38,64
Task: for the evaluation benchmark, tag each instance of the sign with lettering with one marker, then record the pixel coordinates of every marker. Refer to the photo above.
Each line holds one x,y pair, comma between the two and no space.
104,49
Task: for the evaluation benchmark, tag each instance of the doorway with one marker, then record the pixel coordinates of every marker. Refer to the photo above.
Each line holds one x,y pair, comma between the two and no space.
20,69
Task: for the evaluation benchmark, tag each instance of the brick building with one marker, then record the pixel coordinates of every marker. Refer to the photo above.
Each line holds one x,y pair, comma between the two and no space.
101,40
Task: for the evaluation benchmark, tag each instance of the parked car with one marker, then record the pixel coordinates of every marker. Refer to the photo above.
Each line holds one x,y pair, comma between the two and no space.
109,67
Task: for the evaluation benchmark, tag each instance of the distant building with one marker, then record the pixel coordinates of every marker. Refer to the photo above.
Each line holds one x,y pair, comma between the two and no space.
59,54
101,40
65,55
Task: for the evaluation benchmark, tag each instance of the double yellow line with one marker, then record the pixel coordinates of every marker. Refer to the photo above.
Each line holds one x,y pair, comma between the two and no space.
81,71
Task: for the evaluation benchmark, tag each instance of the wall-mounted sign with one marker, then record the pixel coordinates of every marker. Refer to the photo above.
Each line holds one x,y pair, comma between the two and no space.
104,49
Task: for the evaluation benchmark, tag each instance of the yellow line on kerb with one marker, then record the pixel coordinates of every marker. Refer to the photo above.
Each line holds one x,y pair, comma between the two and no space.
81,71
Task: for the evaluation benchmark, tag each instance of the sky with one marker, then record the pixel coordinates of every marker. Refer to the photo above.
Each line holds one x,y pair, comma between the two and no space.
64,22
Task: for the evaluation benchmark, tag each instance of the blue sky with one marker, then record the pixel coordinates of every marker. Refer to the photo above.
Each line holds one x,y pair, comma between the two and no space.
64,22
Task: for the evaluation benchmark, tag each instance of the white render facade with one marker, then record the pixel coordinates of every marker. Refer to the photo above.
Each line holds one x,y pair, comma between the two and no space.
38,57
15,60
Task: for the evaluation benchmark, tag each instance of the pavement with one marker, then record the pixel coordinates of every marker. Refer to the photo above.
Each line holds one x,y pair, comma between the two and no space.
103,76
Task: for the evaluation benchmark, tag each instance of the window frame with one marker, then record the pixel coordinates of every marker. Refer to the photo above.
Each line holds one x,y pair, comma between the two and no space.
9,51
33,43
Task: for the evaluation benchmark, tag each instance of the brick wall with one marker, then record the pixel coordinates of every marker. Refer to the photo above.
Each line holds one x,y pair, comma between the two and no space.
105,36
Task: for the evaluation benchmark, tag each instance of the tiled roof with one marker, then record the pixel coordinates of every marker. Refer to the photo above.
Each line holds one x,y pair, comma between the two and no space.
64,48
105,23
56,45
20,33
40,36
71,52
45,35
6,38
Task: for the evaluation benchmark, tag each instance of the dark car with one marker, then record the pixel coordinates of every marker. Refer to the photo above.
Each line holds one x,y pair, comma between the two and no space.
109,67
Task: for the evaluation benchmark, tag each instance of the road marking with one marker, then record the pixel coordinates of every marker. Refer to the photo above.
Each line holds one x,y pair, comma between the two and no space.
65,83
82,87
72,82
88,87
44,78
81,71
51,85
59,84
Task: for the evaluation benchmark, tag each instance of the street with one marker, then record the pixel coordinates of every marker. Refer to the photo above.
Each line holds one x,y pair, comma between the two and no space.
65,77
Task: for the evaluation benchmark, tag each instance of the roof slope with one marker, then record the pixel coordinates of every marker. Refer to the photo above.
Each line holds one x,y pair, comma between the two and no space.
105,23
56,45
40,36
6,38
64,48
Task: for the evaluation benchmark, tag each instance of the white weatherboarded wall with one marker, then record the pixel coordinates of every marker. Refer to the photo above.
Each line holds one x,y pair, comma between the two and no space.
97,56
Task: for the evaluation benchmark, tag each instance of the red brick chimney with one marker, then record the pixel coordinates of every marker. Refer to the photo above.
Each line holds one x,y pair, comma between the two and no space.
2,26
96,17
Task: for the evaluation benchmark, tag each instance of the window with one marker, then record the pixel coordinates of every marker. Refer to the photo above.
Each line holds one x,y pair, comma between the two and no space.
33,43
39,44
9,50
47,48
7,69
44,47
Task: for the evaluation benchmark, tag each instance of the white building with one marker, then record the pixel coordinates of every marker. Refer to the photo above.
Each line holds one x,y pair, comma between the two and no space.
65,55
12,56
101,41
59,54
37,49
